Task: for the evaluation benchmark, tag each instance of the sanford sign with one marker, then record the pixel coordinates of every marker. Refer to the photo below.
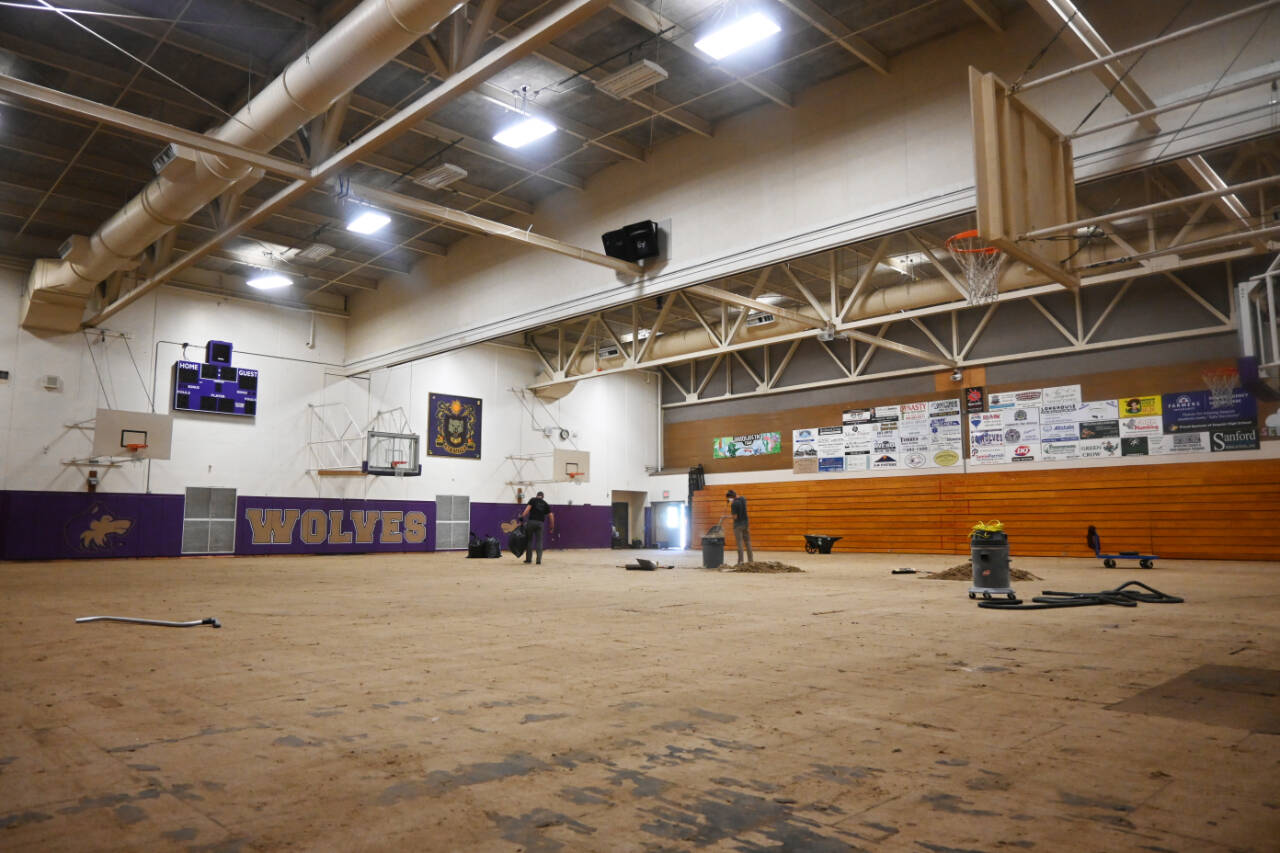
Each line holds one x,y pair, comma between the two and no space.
274,525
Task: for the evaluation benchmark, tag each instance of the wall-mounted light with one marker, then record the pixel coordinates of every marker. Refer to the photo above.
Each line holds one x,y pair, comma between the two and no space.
523,132
368,222
269,281
740,34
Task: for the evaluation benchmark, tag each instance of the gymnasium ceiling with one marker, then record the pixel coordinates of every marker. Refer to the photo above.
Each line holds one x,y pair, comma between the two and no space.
62,174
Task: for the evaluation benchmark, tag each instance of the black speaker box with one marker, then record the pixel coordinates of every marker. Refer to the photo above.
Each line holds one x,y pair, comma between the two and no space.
632,242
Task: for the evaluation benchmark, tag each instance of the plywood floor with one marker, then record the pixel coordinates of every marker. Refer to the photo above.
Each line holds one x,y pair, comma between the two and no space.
438,703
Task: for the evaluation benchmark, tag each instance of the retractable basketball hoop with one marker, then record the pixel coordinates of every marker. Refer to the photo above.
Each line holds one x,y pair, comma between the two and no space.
134,448
1222,382
399,467
980,263
575,477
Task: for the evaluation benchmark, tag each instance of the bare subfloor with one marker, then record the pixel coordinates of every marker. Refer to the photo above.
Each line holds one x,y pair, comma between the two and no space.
438,703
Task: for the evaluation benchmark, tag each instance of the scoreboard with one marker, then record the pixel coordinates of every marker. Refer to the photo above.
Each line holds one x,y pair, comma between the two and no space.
214,385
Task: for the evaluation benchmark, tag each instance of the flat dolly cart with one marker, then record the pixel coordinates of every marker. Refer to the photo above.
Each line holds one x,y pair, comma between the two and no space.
817,544
1146,561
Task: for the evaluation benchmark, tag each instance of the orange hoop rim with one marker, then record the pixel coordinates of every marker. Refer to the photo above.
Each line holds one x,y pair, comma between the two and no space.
969,235
134,448
1220,372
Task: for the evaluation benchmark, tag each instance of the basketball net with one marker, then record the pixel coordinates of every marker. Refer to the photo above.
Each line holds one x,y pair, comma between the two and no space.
980,263
1222,385
398,466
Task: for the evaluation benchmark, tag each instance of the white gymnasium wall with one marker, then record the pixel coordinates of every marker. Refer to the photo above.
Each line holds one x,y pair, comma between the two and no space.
614,418
859,155
262,455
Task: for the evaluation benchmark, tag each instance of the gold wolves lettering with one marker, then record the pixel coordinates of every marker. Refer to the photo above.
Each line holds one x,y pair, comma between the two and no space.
455,426
318,526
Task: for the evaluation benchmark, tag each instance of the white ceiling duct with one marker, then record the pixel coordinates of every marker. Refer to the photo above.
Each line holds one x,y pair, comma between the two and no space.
357,46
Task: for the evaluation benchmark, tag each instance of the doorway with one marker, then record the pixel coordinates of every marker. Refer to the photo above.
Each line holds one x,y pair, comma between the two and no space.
670,527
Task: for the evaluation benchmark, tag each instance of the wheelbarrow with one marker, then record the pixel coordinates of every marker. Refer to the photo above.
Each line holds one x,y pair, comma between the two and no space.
817,544
1146,561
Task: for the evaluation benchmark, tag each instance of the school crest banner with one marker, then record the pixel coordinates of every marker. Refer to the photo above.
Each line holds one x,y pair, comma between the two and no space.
454,428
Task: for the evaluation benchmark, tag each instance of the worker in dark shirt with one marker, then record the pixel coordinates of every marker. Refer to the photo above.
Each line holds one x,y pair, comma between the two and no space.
741,530
536,513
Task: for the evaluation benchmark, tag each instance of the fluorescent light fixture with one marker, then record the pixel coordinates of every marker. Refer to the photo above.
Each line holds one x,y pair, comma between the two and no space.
634,78
269,281
368,221
524,132
740,34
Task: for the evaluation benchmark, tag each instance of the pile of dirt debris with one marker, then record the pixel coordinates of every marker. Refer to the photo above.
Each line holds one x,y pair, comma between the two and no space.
964,572
763,567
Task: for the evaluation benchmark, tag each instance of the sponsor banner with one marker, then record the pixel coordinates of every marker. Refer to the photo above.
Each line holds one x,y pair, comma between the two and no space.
917,459
1060,400
945,458
803,435
1148,425
1133,445
945,428
855,416
1060,450
1139,407
1192,411
1182,442
1009,399
1099,448
803,449
884,461
1099,410
983,421
1099,429
1221,440
885,443
986,440
829,464
1025,451
940,408
1068,431
1025,422
886,413
830,442
987,455
973,399
858,438
860,462
914,411
756,444
804,465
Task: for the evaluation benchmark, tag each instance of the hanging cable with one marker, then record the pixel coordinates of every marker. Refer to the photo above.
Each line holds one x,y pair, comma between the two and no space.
1121,78
1035,60
1216,83
141,381
96,371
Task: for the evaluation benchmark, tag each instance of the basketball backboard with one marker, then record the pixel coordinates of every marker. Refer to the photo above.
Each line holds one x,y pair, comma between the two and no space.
571,466
1024,178
135,435
392,454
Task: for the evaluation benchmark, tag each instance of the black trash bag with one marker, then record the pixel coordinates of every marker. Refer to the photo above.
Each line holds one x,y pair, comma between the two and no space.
517,541
475,547
491,547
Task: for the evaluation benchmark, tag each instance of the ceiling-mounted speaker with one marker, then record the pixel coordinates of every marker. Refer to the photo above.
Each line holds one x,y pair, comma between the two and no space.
633,242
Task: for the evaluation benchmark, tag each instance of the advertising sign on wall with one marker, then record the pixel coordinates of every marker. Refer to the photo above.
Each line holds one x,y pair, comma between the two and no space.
1009,399
756,444
830,446
973,399
1139,407
1192,411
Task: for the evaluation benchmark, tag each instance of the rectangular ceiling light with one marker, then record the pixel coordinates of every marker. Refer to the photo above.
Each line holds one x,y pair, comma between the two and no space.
634,78
441,176
368,221
269,281
524,132
740,34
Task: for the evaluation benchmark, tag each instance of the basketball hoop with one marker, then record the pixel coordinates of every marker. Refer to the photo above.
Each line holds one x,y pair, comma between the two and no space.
573,476
980,263
1222,382
134,448
398,466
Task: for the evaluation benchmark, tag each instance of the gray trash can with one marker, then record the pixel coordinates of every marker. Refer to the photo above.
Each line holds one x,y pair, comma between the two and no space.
712,552
989,553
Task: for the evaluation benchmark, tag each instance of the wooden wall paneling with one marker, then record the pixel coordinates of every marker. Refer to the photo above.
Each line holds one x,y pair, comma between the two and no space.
1215,510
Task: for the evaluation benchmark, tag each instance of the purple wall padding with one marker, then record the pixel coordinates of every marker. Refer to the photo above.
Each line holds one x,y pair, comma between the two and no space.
79,525
316,526
576,526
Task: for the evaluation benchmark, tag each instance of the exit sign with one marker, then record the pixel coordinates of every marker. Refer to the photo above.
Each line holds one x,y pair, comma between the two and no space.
666,493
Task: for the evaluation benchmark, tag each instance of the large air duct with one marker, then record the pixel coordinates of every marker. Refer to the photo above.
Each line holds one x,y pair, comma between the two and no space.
880,302
361,43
